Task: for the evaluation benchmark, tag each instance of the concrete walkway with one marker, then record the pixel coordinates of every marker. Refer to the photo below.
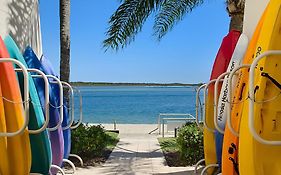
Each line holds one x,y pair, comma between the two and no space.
136,153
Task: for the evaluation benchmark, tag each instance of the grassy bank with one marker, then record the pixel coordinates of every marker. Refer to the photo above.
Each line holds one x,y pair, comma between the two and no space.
186,149
113,140
171,152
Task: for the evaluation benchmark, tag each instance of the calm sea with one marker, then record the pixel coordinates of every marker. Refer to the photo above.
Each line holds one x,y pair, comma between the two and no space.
104,104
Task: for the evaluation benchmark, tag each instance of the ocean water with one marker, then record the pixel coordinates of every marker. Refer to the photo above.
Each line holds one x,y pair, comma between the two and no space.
104,104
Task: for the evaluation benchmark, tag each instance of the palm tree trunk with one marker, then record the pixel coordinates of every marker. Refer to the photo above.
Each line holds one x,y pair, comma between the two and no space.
65,44
236,22
235,10
64,40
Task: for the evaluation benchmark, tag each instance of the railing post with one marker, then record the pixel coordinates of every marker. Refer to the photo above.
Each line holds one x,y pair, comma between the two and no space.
163,128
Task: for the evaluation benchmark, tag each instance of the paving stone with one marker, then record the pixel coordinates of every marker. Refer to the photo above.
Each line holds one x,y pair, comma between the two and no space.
137,153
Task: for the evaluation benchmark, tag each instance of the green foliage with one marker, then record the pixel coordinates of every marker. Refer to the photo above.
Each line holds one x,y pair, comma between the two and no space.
127,21
170,13
131,15
91,140
168,144
190,142
112,139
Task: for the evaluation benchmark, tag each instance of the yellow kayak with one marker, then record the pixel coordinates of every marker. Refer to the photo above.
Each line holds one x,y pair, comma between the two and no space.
256,158
17,147
3,140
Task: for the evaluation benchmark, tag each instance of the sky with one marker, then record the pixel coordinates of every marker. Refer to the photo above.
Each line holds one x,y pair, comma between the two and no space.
185,55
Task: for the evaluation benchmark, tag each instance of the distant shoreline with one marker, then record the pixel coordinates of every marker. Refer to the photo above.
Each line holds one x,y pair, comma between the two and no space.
130,84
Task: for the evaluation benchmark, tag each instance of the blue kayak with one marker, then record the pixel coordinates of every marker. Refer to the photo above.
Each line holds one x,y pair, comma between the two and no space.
56,137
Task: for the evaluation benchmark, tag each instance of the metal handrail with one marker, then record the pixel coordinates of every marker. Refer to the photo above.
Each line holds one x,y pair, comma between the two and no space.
170,114
219,79
252,100
178,118
72,105
167,119
57,81
47,115
197,106
228,116
80,108
26,98
176,114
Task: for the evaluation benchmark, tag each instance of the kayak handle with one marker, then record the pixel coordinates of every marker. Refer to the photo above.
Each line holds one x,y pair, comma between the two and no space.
47,101
25,95
197,165
252,98
80,108
204,111
219,79
65,84
57,81
207,167
228,105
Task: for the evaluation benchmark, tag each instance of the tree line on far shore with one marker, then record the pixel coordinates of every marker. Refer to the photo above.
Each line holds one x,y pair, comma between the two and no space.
130,84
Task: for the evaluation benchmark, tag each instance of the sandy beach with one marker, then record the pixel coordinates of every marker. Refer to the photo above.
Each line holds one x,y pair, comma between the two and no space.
130,128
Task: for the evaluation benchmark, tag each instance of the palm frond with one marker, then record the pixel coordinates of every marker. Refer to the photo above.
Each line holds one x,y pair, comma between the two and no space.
170,13
127,21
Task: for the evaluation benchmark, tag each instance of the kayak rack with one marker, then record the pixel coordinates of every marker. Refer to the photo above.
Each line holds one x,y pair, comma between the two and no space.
252,98
25,95
218,80
58,169
206,86
70,123
77,157
228,116
48,79
80,120
197,165
204,111
207,167
197,107
40,74
71,164
57,81
65,84
80,108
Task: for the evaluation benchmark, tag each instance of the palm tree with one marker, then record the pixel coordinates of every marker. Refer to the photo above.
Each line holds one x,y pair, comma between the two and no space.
64,40
235,9
130,16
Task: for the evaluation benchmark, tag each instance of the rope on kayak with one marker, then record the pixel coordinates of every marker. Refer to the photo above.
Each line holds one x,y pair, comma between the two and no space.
56,107
11,101
267,100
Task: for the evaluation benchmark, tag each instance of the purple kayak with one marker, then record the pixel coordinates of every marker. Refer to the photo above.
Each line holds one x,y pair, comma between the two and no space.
56,137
